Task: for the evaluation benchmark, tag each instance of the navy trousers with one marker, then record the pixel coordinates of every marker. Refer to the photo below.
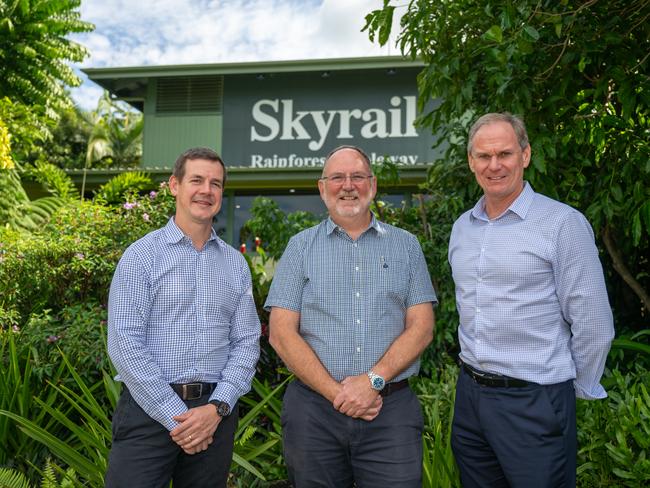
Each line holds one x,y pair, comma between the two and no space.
325,448
515,437
144,455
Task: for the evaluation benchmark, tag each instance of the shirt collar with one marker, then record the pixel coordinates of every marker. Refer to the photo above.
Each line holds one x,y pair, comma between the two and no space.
173,234
520,206
330,226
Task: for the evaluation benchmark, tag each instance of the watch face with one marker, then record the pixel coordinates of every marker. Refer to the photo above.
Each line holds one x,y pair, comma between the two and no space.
377,383
223,409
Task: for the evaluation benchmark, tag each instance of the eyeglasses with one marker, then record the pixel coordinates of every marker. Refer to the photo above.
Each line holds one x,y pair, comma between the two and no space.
339,178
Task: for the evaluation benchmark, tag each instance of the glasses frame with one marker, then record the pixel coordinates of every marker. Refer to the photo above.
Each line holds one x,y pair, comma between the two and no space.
355,179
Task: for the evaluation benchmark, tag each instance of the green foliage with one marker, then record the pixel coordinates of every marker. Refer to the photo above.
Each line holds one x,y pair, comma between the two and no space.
115,138
614,434
78,330
437,397
26,127
578,73
18,390
69,139
114,190
17,211
35,51
77,429
274,227
12,478
53,179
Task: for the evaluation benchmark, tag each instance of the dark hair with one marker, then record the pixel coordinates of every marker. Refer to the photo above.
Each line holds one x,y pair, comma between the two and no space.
197,153
515,122
360,151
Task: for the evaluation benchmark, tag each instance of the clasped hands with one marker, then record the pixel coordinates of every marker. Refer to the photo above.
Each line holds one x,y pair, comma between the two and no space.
196,428
357,399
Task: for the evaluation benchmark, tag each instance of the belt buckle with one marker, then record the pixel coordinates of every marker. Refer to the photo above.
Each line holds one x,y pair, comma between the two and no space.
190,391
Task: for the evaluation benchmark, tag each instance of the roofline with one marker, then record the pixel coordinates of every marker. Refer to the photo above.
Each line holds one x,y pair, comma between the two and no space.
331,64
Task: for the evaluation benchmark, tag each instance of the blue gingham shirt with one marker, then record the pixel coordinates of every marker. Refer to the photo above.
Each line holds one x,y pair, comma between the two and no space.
352,296
531,295
179,315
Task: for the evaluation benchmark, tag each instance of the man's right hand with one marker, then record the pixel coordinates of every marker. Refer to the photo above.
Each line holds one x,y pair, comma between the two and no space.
357,399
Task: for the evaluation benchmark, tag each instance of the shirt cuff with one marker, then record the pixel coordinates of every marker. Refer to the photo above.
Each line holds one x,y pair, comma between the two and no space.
595,393
225,392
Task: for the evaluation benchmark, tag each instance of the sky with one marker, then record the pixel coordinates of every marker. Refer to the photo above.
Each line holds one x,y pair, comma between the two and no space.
168,32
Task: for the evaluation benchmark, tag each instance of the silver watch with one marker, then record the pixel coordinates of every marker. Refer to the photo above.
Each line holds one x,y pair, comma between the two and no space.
376,382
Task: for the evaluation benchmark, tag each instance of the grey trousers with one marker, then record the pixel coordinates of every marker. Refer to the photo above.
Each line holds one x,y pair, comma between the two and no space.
324,448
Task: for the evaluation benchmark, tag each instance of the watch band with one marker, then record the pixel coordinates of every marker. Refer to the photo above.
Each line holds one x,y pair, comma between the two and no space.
223,409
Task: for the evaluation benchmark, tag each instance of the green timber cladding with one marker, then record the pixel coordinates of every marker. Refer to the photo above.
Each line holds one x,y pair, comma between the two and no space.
274,122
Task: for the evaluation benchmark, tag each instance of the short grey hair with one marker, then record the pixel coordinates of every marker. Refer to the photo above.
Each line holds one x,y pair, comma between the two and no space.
358,150
516,122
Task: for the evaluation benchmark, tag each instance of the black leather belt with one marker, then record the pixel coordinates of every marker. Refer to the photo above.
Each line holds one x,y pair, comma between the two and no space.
391,388
491,379
193,391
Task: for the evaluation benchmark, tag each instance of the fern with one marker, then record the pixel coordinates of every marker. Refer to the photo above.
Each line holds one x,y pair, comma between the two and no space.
113,190
17,211
10,478
54,180
246,435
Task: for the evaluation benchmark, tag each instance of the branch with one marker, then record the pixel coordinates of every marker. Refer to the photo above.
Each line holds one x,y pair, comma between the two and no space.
622,270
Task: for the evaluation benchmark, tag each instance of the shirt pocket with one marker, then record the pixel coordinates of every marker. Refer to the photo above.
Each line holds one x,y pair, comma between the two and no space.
392,283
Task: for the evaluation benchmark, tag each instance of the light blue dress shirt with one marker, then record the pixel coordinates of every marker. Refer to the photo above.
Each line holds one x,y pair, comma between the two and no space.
352,295
179,315
531,295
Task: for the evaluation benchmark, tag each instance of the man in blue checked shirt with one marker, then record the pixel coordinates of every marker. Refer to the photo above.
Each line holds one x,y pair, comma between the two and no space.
535,322
183,335
351,312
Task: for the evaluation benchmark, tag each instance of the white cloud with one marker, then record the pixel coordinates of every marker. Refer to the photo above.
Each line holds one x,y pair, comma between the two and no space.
156,32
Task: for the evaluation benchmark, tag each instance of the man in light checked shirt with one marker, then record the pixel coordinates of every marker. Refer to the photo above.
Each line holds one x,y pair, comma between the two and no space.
535,322
183,335
351,312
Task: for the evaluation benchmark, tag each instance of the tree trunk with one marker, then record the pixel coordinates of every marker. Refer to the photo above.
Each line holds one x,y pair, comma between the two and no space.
622,269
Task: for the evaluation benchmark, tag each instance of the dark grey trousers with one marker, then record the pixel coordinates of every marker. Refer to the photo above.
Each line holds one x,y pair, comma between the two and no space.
515,437
324,448
144,455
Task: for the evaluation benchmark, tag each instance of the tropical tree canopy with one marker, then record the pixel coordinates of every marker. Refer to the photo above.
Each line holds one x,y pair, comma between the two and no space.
34,51
577,71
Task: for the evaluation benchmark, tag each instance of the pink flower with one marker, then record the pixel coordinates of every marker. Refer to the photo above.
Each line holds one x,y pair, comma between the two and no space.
129,206
145,217
15,328
79,255
163,184
152,194
51,339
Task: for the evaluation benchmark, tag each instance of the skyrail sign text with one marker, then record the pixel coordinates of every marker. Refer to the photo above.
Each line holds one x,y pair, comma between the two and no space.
294,119
276,119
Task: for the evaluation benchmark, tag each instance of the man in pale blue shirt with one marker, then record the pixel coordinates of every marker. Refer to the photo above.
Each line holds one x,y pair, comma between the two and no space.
535,322
183,335
351,312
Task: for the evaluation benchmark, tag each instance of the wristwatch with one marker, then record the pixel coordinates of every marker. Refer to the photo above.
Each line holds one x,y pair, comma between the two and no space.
223,409
376,382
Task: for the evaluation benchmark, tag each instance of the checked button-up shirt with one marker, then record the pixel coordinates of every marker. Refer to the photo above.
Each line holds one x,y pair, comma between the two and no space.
352,296
179,315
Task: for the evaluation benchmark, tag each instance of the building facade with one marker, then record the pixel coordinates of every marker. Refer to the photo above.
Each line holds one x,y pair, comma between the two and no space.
274,123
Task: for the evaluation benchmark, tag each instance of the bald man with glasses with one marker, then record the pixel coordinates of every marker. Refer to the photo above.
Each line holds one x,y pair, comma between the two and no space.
351,311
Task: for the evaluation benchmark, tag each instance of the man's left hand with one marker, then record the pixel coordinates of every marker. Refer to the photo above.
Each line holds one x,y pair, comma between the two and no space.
196,428
357,397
